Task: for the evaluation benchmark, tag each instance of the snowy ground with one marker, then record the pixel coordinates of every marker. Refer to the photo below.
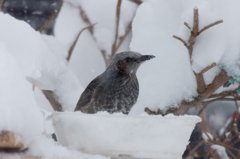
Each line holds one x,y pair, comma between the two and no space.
164,82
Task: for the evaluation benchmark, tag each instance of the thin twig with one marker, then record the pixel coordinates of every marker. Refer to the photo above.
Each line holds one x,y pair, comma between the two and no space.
114,45
208,68
231,154
180,39
209,26
213,100
86,20
75,41
51,98
195,148
186,24
138,2
2,5
122,38
218,143
225,93
195,22
237,107
224,145
54,16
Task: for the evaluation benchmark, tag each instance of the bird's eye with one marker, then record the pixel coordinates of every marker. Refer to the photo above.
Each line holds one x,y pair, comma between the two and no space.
128,59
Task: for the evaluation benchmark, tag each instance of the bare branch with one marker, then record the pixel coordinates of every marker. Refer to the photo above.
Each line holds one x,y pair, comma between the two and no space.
50,96
225,93
54,16
231,154
195,22
147,110
226,146
186,24
75,41
201,86
216,99
194,32
33,87
208,68
2,5
180,39
209,26
138,2
218,81
122,38
86,20
114,45
195,148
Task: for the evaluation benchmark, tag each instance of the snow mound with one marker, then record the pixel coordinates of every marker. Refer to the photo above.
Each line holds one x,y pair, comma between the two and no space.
18,109
115,135
169,79
41,58
23,52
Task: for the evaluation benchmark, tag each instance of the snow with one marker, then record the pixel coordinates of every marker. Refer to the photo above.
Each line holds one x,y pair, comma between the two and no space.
18,108
141,136
27,56
167,80
67,86
220,151
39,57
24,55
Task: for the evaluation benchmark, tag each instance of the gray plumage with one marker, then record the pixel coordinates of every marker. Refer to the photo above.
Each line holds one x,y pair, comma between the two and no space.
116,89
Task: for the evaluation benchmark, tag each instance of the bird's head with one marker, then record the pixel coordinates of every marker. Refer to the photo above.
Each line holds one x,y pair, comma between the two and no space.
128,62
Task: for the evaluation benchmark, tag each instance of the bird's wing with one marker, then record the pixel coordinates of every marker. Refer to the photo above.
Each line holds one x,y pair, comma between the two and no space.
88,93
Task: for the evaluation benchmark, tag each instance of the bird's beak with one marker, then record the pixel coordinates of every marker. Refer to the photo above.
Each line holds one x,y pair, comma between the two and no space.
145,57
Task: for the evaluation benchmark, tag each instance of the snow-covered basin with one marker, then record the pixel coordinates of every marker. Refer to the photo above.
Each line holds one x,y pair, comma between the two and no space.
142,136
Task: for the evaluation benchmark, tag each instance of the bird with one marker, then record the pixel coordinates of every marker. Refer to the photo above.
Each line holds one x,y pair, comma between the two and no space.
117,88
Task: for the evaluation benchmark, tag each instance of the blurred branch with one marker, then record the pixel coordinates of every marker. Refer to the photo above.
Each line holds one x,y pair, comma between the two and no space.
87,21
114,45
209,143
51,98
186,24
231,154
54,16
218,142
138,2
2,5
117,42
75,41
191,152
122,38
